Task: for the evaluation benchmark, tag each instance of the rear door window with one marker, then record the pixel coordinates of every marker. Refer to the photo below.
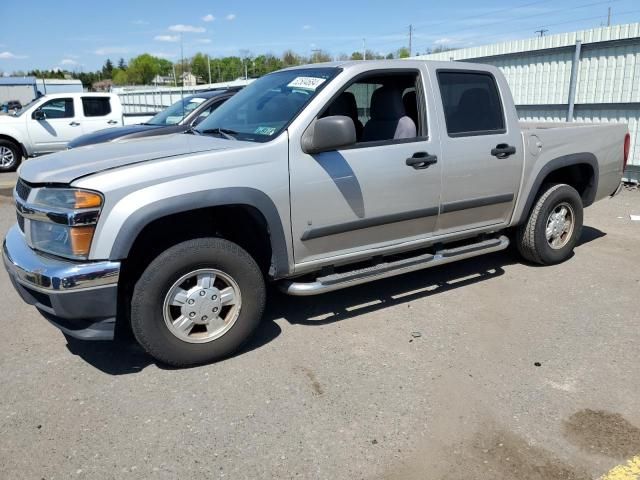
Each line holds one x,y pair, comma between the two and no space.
96,106
471,103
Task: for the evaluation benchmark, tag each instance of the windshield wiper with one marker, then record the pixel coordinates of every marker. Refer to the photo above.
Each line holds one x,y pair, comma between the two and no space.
225,132
192,131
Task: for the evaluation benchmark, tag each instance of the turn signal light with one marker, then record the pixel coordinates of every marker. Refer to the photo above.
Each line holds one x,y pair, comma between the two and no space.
86,199
81,239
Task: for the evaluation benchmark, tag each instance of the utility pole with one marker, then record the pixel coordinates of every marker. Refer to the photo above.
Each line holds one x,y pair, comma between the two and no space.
209,68
542,31
364,48
609,18
410,40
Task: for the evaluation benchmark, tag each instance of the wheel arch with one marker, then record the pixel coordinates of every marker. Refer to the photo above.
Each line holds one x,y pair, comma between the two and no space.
17,142
252,203
579,170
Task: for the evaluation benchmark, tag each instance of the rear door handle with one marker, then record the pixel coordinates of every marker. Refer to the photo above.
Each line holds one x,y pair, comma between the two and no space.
74,124
112,122
503,150
421,160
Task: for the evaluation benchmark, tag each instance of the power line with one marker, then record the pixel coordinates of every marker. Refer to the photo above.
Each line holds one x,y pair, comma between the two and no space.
542,31
575,20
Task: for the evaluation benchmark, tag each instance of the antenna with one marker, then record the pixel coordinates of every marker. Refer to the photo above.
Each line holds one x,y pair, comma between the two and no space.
410,40
542,31
182,74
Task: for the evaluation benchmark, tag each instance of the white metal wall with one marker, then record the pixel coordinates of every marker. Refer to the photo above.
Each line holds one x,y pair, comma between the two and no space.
538,71
154,99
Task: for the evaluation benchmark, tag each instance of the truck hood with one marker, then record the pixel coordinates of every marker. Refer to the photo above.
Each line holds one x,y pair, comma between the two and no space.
67,166
8,118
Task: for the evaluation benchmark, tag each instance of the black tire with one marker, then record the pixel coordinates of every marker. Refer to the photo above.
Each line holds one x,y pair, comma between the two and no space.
15,151
147,320
531,238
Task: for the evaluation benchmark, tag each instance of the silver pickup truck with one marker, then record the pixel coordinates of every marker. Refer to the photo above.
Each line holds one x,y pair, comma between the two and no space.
316,178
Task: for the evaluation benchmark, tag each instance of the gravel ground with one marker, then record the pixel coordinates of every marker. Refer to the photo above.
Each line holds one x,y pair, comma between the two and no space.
485,369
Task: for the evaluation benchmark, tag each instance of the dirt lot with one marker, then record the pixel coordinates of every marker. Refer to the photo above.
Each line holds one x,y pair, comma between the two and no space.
486,369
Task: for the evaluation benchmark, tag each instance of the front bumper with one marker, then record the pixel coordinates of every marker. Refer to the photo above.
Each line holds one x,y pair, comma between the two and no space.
78,298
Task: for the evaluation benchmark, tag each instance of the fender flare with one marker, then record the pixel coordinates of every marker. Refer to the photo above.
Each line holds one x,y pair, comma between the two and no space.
560,162
257,199
13,139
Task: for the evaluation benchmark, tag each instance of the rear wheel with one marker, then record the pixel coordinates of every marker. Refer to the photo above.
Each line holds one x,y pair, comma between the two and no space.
10,156
553,227
197,302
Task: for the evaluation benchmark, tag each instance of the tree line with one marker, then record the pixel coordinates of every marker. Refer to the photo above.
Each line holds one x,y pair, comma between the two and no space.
145,69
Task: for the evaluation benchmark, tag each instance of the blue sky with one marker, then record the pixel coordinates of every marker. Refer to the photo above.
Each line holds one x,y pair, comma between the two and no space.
80,35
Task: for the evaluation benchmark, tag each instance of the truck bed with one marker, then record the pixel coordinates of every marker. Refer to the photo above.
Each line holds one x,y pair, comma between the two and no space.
602,144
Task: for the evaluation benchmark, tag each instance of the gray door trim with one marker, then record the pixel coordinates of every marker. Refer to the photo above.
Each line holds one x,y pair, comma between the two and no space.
363,223
476,202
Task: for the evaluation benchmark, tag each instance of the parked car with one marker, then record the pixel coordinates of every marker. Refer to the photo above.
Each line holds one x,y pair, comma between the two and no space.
11,106
179,117
315,178
51,121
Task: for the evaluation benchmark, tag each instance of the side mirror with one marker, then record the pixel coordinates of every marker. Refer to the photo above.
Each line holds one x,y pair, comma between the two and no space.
39,115
329,133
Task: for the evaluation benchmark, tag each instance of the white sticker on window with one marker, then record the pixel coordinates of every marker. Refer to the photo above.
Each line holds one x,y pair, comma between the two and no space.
307,83
265,131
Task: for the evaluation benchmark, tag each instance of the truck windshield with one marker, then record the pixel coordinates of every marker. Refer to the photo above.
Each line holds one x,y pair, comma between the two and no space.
176,112
266,107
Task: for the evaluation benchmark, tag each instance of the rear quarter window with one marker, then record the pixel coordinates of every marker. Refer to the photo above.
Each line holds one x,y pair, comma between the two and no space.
471,103
96,106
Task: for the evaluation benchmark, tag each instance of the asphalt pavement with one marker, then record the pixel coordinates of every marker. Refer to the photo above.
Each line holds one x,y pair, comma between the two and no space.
484,369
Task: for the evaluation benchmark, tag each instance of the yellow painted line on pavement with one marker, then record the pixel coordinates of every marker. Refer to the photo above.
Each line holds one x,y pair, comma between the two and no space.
628,471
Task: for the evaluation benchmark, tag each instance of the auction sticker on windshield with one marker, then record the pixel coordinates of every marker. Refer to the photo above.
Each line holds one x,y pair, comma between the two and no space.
306,83
265,130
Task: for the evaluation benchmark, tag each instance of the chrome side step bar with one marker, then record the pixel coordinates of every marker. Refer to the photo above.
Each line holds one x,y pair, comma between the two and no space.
338,281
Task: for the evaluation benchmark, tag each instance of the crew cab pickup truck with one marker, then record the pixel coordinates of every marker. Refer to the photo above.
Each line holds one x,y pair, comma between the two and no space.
51,121
315,178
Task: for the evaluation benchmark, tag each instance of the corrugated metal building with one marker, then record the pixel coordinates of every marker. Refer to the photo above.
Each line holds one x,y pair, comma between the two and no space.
604,64
25,89
152,99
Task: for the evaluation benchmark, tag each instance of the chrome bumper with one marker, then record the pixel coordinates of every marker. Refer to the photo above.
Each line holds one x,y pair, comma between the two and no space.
79,298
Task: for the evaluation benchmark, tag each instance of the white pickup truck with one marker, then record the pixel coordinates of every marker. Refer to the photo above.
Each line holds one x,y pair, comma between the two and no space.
50,122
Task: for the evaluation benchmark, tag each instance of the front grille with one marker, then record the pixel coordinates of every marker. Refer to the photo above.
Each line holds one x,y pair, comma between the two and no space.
23,190
20,222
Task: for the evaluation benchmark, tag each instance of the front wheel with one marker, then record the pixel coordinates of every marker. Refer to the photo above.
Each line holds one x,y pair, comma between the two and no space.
10,156
197,302
553,226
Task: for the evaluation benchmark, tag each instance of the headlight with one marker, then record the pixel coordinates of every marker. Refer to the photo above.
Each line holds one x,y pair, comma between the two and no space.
61,221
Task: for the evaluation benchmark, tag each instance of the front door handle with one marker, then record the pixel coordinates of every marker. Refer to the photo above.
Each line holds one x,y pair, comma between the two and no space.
503,150
421,160
112,122
74,124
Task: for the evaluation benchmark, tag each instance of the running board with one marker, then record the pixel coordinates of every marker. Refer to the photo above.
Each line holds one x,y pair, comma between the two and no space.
338,281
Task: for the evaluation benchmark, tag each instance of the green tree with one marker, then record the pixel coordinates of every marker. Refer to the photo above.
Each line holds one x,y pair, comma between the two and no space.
107,69
119,76
199,66
403,53
142,69
320,56
356,56
390,56
291,59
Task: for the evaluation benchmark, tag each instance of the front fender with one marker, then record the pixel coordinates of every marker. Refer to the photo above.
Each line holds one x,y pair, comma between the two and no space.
15,135
139,219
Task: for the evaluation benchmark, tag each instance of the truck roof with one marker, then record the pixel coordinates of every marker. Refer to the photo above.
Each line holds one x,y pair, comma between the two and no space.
365,65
